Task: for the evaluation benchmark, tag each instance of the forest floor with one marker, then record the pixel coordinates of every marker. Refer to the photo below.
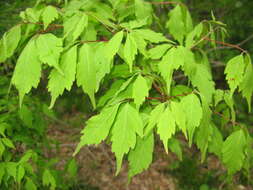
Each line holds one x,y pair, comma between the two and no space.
97,166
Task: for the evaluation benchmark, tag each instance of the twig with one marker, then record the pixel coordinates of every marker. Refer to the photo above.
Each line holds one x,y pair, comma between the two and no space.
100,22
167,3
226,44
239,44
93,41
41,24
50,29
162,99
204,37
155,98
228,119
158,89
246,40
180,95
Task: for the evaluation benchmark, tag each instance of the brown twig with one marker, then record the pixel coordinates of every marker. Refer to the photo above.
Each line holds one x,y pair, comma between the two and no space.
49,29
94,41
158,89
41,24
228,119
204,37
239,44
155,98
246,40
107,27
180,95
226,44
162,99
166,3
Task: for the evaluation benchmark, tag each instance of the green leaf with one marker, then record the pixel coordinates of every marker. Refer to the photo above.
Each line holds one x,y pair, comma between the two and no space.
234,72
187,19
140,42
246,86
158,51
173,59
57,82
2,171
218,96
29,185
141,156
20,173
230,102
26,157
233,151
140,90
103,66
72,168
128,123
166,127
7,142
142,9
104,10
3,127
193,112
124,86
174,146
154,118
11,168
216,143
203,81
26,115
75,25
134,24
2,148
2,52
27,71
176,24
48,179
86,72
100,19
98,127
110,93
49,15
130,51
205,130
49,48
179,115
9,42
192,36
113,45
151,36
31,15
